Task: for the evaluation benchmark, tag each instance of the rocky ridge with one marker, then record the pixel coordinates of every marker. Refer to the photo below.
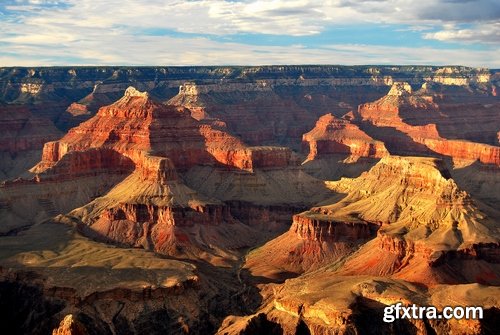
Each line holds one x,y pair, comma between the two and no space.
384,120
338,136
204,184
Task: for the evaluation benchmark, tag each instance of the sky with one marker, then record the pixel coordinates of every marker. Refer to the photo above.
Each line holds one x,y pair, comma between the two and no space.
249,32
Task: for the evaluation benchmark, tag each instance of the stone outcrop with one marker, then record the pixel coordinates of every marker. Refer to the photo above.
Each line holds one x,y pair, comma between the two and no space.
136,125
313,227
324,304
338,136
427,217
394,118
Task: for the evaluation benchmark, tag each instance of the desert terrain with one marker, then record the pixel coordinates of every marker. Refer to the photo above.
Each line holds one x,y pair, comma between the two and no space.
248,200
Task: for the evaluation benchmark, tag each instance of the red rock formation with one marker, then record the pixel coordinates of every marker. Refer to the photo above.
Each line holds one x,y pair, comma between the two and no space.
314,227
312,241
90,162
425,216
487,154
76,109
254,111
70,326
164,229
337,136
385,121
136,125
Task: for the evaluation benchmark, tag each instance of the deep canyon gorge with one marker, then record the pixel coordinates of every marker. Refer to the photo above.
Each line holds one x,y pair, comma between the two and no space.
248,200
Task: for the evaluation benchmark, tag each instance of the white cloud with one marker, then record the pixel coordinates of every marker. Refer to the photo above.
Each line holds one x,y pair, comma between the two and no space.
112,32
484,33
163,50
292,17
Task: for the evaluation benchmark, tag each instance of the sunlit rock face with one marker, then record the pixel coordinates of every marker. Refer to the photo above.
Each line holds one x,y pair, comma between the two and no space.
247,200
338,136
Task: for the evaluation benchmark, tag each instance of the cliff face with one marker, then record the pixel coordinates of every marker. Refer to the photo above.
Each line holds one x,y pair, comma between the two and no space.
321,303
20,83
398,120
427,217
213,176
323,230
68,96
338,136
136,125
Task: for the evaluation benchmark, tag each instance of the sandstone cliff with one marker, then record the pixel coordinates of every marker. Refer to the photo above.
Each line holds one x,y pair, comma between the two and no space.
338,136
136,125
425,218
392,118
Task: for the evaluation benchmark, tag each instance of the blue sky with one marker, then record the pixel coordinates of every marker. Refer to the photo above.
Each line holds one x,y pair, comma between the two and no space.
252,32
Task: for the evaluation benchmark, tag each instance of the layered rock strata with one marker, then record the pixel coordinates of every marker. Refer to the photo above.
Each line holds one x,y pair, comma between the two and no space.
338,136
425,218
136,126
384,119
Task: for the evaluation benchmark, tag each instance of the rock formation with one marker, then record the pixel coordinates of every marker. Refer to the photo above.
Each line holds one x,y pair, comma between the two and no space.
136,126
254,200
321,302
427,219
390,120
152,208
337,136
416,216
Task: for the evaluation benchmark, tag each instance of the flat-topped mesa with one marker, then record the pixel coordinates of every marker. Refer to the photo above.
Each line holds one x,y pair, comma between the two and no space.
338,136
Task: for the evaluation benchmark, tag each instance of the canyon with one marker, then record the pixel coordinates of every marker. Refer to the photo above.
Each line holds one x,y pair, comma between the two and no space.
248,200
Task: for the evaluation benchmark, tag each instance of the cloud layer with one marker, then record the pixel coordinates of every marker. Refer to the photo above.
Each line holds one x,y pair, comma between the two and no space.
201,32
